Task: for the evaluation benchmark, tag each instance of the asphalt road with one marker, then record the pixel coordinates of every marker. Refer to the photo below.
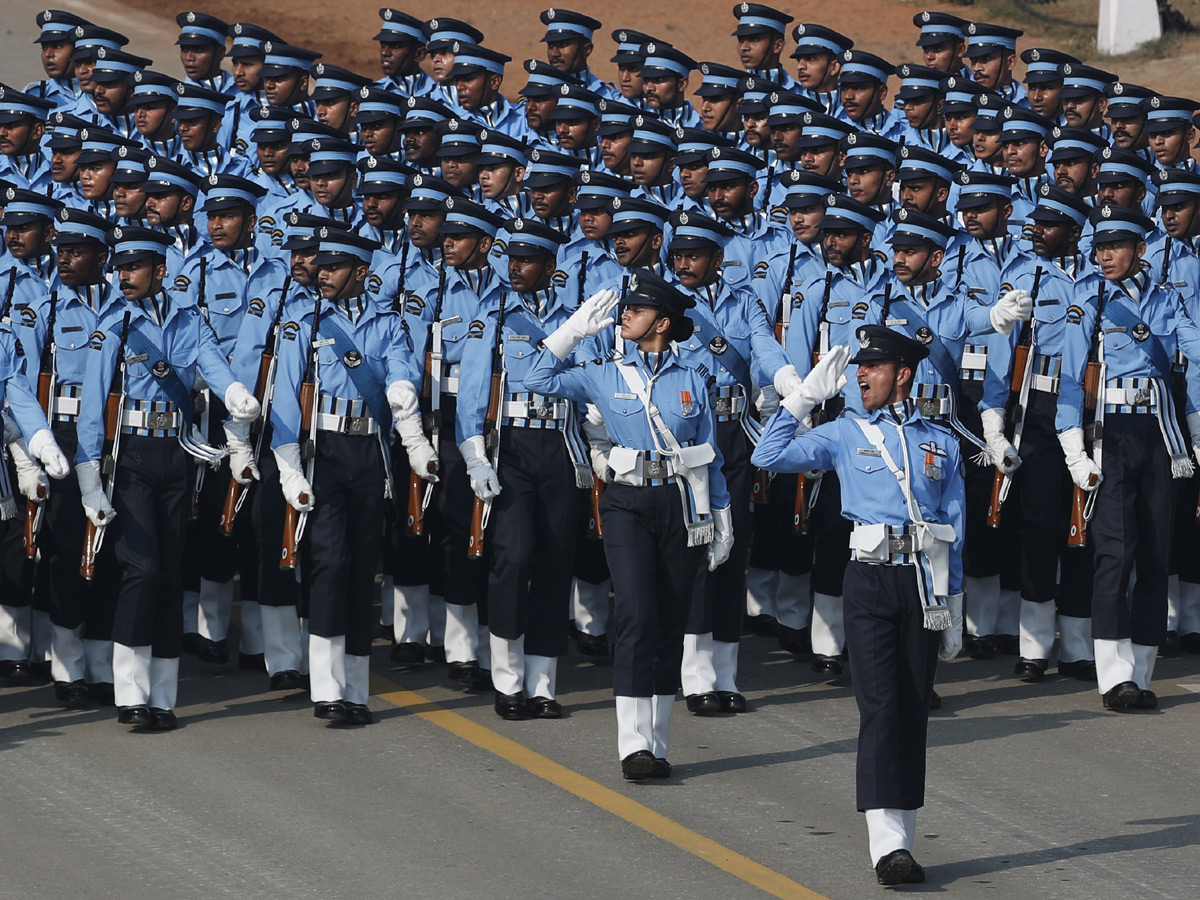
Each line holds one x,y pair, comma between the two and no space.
1034,792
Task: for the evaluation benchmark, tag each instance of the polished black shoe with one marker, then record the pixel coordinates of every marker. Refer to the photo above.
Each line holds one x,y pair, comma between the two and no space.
388,633
71,693
935,700
796,641
409,654
762,624
1007,644
330,710
545,708
133,716
1124,696
16,669
189,642
103,693
1171,644
980,646
899,867
1031,671
468,674
511,706
287,680
732,701
1083,669
358,714
593,645
704,704
214,652
162,719
1190,642
252,662
662,768
40,671
1147,700
638,766
435,654
827,665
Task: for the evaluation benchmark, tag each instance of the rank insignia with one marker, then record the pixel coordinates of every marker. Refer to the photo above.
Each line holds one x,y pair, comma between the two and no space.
1074,314
718,345
352,359
924,334
1141,331
160,369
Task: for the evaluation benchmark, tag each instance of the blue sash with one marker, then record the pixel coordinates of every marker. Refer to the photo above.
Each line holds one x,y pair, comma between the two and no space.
171,383
1124,317
938,354
362,376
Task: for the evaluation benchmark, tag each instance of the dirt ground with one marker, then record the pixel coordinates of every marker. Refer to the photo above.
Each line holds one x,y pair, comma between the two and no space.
702,28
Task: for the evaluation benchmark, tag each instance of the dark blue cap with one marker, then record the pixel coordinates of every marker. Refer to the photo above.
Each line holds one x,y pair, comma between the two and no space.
63,130
16,106
194,102
1176,185
58,26
1125,100
152,87
468,217
1057,206
630,46
530,237
22,205
1017,123
695,144
1072,143
719,80
498,149
878,343
378,105
916,228
78,226
380,175
131,243
811,39
730,164
918,81
805,189
459,138
164,176
864,149
248,39
653,135
820,130
281,60
1117,165
859,66
987,38
400,28
843,211
117,65
131,165
939,27
1080,80
334,81
981,188
960,94
594,190
650,290
1168,113
694,229
427,193
1043,65
444,31
422,114
228,191
338,246
544,80
917,162
755,18
547,169
575,103
470,59
663,60
630,214
89,38
789,108
1115,223
302,230
567,25
199,28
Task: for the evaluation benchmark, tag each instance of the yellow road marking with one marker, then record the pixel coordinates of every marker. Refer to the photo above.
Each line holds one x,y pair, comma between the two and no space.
611,801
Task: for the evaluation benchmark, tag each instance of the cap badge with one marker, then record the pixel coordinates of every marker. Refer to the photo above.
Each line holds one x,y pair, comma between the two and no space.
951,82
650,48
1106,152
905,71
564,89
716,152
622,37
616,203
191,17
433,24
1106,212
452,124
971,28
456,46
633,280
1035,55
387,14
237,29
268,46
683,218
800,29
585,176
864,339
213,180
831,200
639,122
964,178
364,92
1008,112
925,16
323,232
117,233
550,14
63,214
122,152
808,118
1155,102
449,203
852,138
1118,88
372,162
902,215
1044,190
745,8
518,224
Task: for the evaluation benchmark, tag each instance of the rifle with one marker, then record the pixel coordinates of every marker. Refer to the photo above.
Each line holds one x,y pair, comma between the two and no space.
236,493
8,294
45,397
803,488
93,535
419,492
1094,379
293,524
491,437
1018,400
203,399
1165,273
760,488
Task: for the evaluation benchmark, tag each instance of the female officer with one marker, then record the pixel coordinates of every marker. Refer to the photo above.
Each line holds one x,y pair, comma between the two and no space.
667,498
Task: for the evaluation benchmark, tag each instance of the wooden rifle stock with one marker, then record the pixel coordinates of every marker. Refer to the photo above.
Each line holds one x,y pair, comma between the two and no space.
800,512
291,518
475,544
45,385
308,388
760,488
415,520
1077,536
595,524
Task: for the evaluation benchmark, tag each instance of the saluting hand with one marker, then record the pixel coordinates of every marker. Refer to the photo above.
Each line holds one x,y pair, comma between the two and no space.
1015,306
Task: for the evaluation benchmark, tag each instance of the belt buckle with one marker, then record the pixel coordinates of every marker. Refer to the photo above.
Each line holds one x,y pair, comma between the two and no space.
356,425
901,543
1141,397
928,406
723,406
543,411
161,420
654,468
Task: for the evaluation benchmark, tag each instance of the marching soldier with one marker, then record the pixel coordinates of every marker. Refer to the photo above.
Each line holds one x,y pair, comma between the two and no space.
401,41
664,77
201,45
568,41
991,52
819,55
247,58
22,124
760,36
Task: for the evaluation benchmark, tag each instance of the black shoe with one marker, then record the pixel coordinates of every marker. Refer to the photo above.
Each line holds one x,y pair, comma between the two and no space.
388,633
133,716
1007,644
593,645
545,708
287,680
1083,669
1170,644
435,654
214,652
762,624
704,704
40,671
1124,696
732,702
71,693
1147,700
162,719
16,669
189,642
827,665
252,662
796,641
899,867
511,706
410,654
469,675
330,710
662,768
935,700
358,714
638,766
103,693
1190,642
1031,671
980,646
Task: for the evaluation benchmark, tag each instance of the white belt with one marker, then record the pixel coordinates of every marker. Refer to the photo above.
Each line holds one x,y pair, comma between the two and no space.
1118,396
352,425
729,407
1047,384
150,419
65,406
450,385
646,470
974,361
524,409
884,545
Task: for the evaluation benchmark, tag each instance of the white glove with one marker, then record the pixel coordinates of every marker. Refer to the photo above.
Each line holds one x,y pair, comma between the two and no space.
1081,466
484,480
44,449
241,454
598,443
95,505
1193,423
241,403
952,637
422,458
30,476
767,403
402,397
1013,307
1003,453
722,542
824,382
292,480
593,316
788,381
